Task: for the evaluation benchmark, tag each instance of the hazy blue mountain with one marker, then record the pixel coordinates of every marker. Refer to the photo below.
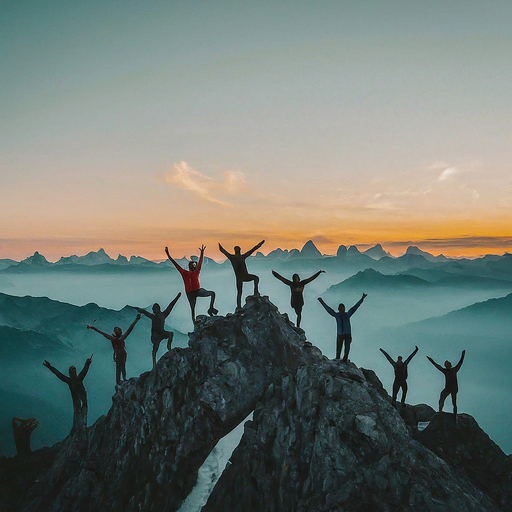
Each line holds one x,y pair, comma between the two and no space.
376,252
7,262
412,249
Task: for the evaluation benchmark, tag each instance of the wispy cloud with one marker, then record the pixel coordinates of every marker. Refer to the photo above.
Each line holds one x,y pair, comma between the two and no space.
186,178
447,173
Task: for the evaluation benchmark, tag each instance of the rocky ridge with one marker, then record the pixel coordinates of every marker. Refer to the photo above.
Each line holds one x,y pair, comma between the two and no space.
324,436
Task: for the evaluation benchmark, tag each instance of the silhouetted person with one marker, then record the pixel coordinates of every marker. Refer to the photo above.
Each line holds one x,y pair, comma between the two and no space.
239,266
451,386
343,329
22,429
118,344
191,282
297,289
400,374
78,393
158,332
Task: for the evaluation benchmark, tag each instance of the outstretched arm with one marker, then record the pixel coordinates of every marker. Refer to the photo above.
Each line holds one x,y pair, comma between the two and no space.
143,312
168,309
56,372
223,251
326,307
459,364
85,369
438,366
408,360
388,357
108,336
312,278
201,256
281,278
354,308
130,329
255,248
172,260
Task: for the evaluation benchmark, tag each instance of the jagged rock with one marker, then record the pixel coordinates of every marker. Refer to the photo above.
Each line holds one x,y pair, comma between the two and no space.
325,439
145,454
466,447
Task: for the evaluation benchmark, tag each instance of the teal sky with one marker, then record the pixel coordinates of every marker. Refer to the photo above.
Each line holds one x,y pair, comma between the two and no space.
133,125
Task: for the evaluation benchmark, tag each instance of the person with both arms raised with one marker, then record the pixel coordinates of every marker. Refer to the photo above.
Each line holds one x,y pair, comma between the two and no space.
242,275
191,281
400,374
343,329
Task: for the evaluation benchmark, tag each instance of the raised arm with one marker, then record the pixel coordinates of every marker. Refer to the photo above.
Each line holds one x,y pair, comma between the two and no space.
223,251
108,336
85,369
168,309
130,329
201,256
56,372
326,307
408,360
388,357
312,278
172,260
281,278
143,312
255,248
459,364
354,308
438,366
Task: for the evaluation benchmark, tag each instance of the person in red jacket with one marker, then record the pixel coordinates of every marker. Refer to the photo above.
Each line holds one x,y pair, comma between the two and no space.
191,281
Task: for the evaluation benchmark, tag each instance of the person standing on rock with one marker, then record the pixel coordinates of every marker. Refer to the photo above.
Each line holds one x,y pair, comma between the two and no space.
297,289
191,281
240,268
22,430
78,393
451,386
158,332
400,374
118,344
343,329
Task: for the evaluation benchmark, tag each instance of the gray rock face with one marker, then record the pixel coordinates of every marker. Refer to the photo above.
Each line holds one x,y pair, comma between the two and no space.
324,439
146,453
469,450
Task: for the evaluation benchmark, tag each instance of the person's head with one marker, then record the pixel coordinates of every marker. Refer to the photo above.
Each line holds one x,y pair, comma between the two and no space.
156,308
399,359
238,250
295,278
72,371
192,265
447,364
117,332
341,307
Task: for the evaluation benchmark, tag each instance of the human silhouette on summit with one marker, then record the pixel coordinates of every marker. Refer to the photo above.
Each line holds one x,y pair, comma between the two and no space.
191,281
343,328
118,344
297,289
78,394
158,332
400,374
240,268
22,430
451,386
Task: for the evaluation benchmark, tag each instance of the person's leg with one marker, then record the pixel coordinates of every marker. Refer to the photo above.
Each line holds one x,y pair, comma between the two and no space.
442,398
192,298
156,344
396,387
339,345
454,402
404,392
118,372
348,341
208,293
170,336
299,316
239,284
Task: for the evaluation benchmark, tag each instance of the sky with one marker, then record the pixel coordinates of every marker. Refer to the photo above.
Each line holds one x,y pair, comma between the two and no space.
138,125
